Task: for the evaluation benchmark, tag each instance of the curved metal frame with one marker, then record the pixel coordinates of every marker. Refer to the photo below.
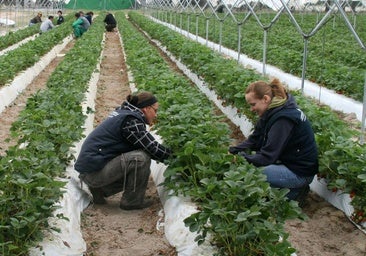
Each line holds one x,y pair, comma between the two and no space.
209,9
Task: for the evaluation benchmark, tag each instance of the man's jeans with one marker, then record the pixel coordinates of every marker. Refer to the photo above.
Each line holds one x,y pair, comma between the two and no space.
128,172
279,176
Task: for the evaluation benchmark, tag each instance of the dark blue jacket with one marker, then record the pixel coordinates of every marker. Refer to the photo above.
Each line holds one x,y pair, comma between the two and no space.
283,135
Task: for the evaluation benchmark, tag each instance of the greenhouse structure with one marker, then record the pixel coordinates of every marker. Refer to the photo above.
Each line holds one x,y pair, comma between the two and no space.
214,203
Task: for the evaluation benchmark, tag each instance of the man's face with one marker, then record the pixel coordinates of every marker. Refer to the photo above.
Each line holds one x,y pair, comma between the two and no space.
151,112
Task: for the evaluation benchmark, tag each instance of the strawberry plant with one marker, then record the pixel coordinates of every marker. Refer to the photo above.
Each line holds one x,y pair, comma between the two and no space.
30,185
235,202
14,37
28,54
341,156
329,62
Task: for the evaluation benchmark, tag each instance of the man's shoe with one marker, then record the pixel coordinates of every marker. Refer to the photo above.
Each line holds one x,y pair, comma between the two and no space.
98,195
145,204
301,197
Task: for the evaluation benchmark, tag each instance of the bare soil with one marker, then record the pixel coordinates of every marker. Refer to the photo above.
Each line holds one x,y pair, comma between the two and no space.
108,230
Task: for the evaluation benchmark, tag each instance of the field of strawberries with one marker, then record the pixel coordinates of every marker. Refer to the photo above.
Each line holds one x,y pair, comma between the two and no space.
232,195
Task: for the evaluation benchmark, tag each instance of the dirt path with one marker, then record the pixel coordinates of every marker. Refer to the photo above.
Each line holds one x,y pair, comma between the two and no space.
108,230
327,232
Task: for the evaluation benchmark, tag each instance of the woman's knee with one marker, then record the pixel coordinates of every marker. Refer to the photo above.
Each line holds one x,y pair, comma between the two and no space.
271,173
278,176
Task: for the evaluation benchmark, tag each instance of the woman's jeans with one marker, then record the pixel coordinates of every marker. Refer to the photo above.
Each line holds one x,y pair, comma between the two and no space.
128,172
279,176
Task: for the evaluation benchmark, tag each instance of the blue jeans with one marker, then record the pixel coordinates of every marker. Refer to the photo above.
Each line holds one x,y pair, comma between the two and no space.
279,176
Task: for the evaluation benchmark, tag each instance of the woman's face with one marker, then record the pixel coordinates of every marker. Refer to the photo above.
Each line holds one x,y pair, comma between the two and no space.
259,106
151,112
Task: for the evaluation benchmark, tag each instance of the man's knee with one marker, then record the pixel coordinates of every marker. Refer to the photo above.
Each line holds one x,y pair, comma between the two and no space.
139,158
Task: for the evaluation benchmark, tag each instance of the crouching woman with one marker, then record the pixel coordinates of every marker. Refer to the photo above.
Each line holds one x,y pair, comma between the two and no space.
283,141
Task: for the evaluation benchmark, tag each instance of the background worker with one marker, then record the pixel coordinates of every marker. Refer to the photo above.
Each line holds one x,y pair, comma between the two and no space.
110,22
47,24
36,19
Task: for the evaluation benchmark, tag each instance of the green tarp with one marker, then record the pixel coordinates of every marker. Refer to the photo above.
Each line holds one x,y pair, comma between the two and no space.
100,4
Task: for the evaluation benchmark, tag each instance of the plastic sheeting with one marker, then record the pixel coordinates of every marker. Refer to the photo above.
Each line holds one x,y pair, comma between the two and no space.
99,4
6,22
69,240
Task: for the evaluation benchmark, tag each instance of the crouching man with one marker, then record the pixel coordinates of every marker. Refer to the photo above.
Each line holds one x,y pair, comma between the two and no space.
116,156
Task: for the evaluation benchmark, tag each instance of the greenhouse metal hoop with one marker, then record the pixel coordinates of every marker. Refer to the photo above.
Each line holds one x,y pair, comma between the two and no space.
190,6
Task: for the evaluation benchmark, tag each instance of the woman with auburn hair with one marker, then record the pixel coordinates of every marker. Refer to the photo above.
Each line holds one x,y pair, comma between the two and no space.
36,19
283,142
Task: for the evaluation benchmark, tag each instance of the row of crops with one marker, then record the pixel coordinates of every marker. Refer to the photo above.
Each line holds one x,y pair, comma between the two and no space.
11,38
233,196
334,58
29,53
45,131
342,158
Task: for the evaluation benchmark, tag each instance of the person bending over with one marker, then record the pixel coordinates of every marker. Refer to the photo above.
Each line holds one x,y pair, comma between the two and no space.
89,16
80,25
283,142
36,19
60,18
116,155
47,25
110,22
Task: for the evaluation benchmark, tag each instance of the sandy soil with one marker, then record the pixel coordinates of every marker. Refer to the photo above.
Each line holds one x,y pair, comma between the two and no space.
109,230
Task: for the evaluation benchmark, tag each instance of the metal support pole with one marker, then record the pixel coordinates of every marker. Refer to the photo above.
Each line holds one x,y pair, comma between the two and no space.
304,60
239,41
362,138
265,51
220,43
207,24
197,27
